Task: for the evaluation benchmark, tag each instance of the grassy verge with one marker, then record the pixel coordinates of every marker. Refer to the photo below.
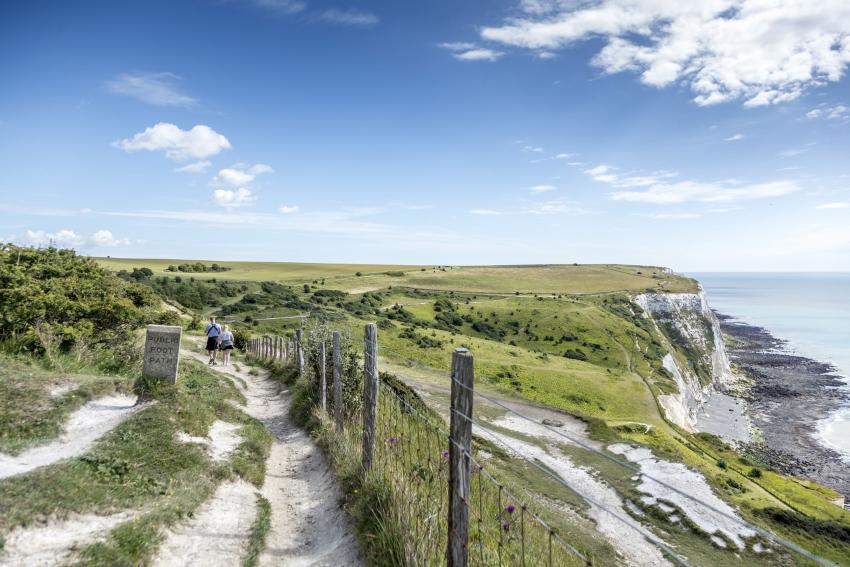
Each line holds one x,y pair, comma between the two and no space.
142,466
35,402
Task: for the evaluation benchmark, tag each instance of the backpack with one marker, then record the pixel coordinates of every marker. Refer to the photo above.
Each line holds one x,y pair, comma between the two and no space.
214,326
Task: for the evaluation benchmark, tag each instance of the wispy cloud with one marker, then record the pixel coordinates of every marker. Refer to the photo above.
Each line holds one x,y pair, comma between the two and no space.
196,167
837,112
842,205
349,17
675,216
542,188
179,145
734,138
485,212
695,191
464,51
282,6
289,209
158,89
607,174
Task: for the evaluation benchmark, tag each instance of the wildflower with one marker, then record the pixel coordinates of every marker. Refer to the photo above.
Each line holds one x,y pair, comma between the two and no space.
392,441
510,508
506,526
445,454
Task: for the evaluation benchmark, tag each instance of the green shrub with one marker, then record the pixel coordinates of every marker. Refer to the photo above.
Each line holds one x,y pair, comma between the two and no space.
54,300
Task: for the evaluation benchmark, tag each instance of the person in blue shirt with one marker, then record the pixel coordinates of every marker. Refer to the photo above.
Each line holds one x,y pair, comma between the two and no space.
213,331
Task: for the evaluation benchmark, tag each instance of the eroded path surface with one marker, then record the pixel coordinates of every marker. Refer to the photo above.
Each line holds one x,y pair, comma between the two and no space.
308,527
85,426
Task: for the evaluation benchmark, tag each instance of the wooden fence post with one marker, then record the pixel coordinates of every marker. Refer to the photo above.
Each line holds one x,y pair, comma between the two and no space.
460,438
299,335
337,356
323,383
370,392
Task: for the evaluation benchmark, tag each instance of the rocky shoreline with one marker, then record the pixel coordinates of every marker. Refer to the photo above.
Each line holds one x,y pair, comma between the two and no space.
789,395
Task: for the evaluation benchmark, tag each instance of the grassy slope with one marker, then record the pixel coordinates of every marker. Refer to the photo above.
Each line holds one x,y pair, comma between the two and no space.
616,384
140,465
495,279
255,271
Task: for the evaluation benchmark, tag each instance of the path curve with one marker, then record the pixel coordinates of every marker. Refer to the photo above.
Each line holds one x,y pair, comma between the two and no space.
308,525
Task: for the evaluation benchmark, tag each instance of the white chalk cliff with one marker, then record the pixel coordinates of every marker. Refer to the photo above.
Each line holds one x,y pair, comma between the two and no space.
696,329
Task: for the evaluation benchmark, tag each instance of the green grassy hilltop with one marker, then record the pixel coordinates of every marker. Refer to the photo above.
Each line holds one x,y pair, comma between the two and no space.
564,337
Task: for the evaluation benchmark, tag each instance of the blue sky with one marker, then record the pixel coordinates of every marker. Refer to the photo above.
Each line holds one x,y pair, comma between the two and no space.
521,131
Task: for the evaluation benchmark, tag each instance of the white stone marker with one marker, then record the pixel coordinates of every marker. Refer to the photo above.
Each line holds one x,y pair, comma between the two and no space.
162,352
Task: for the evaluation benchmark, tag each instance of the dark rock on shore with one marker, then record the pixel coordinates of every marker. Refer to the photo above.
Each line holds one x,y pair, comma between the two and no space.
790,394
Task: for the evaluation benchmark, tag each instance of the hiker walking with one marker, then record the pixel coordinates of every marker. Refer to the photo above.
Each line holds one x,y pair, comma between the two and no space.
226,346
213,338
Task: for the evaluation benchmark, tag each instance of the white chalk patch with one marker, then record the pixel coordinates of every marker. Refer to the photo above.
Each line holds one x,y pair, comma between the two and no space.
624,533
84,428
59,390
223,438
689,482
55,542
218,532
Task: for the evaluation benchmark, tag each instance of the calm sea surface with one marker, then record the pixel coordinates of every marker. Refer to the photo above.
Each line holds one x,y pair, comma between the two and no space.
809,310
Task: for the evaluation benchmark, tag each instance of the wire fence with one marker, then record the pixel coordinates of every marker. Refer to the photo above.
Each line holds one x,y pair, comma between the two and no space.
412,452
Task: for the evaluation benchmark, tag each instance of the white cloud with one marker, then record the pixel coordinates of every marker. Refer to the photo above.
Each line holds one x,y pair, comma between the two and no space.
466,51
485,212
793,152
289,209
836,112
565,156
834,206
195,167
67,238
761,51
542,188
152,88
232,199
198,143
533,149
105,239
555,208
282,6
240,175
734,138
64,238
479,54
603,173
349,17
694,191
675,216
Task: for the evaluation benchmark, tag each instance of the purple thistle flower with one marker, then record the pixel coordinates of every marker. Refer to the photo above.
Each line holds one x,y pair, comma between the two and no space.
510,508
392,441
506,526
445,454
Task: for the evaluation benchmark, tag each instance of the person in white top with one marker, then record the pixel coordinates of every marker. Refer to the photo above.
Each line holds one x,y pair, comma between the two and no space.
226,345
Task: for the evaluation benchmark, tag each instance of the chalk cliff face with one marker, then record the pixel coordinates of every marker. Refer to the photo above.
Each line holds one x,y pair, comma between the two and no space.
697,359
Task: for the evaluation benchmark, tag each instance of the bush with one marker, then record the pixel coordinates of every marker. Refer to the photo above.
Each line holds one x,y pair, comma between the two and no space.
575,354
52,297
754,473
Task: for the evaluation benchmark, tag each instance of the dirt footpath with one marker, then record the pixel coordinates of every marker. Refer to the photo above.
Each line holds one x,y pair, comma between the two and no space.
308,527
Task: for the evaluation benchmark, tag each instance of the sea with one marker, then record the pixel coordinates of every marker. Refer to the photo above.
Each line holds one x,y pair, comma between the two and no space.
811,311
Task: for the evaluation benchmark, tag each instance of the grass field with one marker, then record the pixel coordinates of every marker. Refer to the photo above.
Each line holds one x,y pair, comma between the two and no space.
565,279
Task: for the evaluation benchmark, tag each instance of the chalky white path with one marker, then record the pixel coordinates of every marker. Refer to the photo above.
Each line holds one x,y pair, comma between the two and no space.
55,542
308,527
84,428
